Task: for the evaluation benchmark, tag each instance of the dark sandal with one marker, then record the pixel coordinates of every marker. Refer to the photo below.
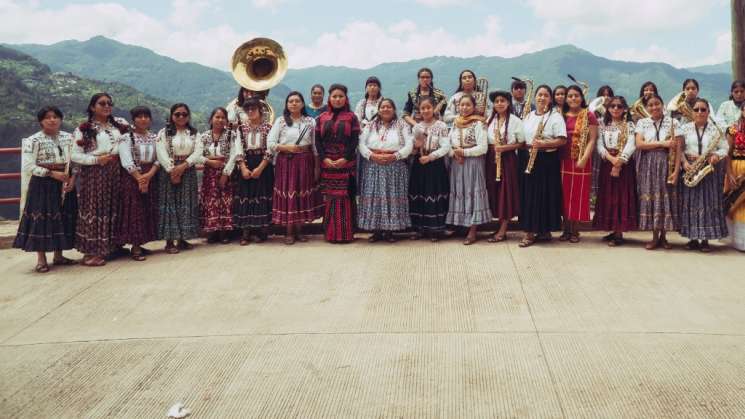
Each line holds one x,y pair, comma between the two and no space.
692,245
665,244
526,242
497,238
184,245
172,250
705,246
244,241
416,236
138,256
574,238
42,268
469,241
289,240
391,238
609,237
64,262
565,236
94,262
375,237
652,245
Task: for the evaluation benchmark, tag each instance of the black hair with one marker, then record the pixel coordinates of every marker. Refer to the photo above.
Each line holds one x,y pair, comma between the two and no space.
286,113
460,80
550,94
735,85
378,121
140,111
508,97
252,102
259,95
111,120
428,99
431,75
702,100
317,86
646,100
556,89
469,97
645,85
518,84
694,81
215,111
607,118
603,89
373,80
577,89
171,126
46,109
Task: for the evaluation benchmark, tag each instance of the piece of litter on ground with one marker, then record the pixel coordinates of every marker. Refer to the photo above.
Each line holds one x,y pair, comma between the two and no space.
178,411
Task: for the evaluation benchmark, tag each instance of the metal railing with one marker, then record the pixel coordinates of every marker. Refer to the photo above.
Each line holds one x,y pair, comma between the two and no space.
10,176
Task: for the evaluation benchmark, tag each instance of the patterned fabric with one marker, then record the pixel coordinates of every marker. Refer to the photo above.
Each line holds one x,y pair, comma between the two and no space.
178,206
45,225
504,196
469,201
384,197
616,208
138,218
736,216
701,214
429,195
98,215
296,198
412,101
541,194
576,183
252,200
216,202
658,207
41,148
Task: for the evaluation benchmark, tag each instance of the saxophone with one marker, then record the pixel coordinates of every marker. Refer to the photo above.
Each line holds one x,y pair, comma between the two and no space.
481,96
498,154
578,150
623,137
528,96
700,167
672,155
534,150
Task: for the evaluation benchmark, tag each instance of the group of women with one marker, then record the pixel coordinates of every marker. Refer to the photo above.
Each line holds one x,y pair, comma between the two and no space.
441,164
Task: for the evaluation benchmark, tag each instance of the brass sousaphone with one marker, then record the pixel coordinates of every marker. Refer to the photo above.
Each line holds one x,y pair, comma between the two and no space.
258,65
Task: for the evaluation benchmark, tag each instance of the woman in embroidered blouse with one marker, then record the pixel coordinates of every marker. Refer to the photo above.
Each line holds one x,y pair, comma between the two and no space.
616,207
429,186
466,86
735,184
702,217
96,150
367,108
540,191
658,206
337,138
138,223
425,88
729,111
384,198
179,150
49,212
296,198
505,135
252,202
469,202
216,197
576,162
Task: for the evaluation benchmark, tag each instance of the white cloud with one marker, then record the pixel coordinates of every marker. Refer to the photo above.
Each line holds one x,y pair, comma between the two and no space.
721,51
442,3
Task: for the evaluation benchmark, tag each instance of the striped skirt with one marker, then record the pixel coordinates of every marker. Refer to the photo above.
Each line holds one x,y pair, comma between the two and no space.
46,225
215,202
540,195
384,196
99,198
296,198
138,220
469,201
252,200
504,196
339,186
178,206
701,214
616,209
576,186
429,194
658,208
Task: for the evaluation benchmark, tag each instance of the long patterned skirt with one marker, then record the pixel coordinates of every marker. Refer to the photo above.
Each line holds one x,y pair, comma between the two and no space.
576,186
504,196
339,187
736,216
99,206
384,196
46,225
138,221
429,195
541,195
215,202
658,208
469,201
178,206
296,197
701,214
616,209
252,201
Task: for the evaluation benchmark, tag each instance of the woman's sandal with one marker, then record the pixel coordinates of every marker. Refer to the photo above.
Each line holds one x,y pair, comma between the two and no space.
652,244
391,238
526,242
375,237
63,261
416,236
705,246
299,237
184,245
496,238
565,236
245,240
469,241
41,268
665,244
94,262
172,250
289,240
574,238
137,255
616,241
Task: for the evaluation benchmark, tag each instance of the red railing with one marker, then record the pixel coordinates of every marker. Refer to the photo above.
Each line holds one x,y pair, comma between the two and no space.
10,176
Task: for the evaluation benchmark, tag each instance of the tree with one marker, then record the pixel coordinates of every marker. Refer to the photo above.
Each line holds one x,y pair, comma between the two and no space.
738,39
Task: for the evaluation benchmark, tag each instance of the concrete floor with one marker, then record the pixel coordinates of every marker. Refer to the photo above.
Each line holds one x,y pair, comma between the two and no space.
379,331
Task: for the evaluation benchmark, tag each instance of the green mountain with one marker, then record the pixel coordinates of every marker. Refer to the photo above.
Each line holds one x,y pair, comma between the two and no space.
100,58
723,68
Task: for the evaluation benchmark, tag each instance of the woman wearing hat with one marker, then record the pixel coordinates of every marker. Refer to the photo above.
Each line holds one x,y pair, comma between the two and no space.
505,135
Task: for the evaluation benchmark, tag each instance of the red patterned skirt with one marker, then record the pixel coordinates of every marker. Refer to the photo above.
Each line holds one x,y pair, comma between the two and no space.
338,186
296,198
616,207
215,202
504,196
98,212
138,218
576,185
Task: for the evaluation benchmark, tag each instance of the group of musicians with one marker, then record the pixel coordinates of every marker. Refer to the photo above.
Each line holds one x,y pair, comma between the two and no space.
438,167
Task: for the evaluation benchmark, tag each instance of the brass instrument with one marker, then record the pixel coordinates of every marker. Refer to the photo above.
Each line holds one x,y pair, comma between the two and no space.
672,155
534,150
700,167
597,106
528,96
623,137
68,162
258,65
638,111
481,95
498,140
678,104
585,85
579,150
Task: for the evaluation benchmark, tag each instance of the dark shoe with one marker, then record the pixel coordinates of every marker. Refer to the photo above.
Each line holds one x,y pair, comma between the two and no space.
171,249
375,237
609,237
42,268
705,246
565,236
496,238
391,238
574,238
692,245
63,261
138,256
289,240
184,245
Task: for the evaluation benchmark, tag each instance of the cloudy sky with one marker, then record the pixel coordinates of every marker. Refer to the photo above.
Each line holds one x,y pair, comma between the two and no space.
362,34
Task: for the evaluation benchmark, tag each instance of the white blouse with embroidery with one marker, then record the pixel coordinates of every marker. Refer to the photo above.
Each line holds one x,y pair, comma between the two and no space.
282,134
515,131
106,142
708,135
366,110
396,137
608,136
182,145
553,126
133,154
471,139
437,142
654,131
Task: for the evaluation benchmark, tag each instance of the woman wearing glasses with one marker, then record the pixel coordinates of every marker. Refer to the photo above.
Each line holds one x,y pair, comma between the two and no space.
425,88
179,150
701,214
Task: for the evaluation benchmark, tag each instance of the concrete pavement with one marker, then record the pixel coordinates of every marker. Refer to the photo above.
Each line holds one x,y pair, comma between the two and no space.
412,329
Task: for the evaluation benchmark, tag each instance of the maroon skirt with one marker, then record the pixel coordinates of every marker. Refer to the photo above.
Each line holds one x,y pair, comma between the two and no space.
138,218
616,206
504,196
98,209
215,202
296,198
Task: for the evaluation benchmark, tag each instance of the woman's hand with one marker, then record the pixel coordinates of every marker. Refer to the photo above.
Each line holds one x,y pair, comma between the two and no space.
104,159
58,176
223,180
425,159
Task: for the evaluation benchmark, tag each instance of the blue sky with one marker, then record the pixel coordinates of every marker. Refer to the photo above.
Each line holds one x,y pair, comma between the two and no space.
357,34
